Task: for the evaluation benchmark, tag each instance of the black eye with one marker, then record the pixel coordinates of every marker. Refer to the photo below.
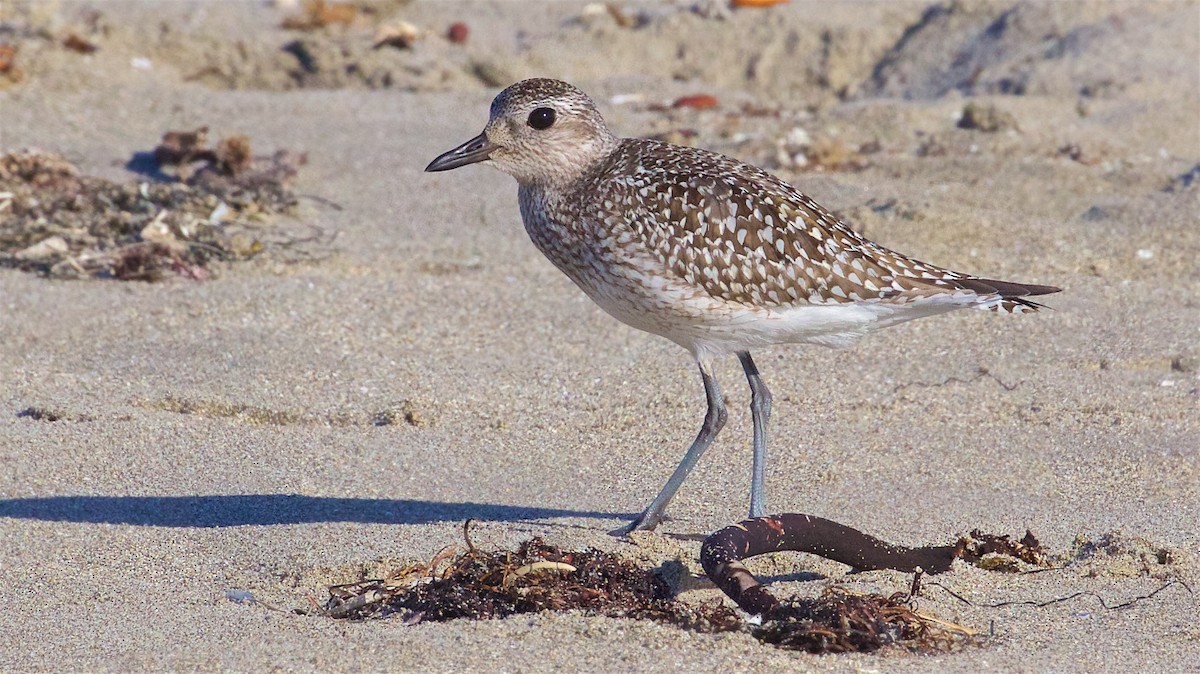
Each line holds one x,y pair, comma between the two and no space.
541,118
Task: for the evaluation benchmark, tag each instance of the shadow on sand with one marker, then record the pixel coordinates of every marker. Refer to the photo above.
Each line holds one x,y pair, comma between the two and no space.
268,509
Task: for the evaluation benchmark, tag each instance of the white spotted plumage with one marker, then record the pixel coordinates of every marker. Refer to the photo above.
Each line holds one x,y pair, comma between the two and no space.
714,254
709,252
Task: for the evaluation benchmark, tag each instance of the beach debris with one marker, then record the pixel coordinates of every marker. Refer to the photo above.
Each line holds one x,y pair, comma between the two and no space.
723,551
8,54
41,414
78,44
980,373
50,247
1117,554
400,35
622,16
537,577
250,414
627,99
716,10
799,151
930,146
741,4
231,157
790,148
1002,553
306,54
403,412
490,73
533,577
696,102
248,598
784,622
831,154
240,596
1074,152
231,166
1184,181
840,621
1106,604
8,64
871,147
317,14
458,32
874,620
683,136
52,414
59,223
540,567
180,147
986,118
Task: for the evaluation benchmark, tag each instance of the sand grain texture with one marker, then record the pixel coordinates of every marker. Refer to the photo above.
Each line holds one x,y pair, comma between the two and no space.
218,435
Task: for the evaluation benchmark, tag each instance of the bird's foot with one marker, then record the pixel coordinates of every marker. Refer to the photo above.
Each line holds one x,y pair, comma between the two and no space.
645,522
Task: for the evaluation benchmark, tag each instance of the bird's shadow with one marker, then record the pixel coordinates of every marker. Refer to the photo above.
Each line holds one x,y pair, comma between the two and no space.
144,164
268,509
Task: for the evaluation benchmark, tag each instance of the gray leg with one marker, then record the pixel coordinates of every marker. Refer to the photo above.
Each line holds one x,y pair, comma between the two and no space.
714,419
760,409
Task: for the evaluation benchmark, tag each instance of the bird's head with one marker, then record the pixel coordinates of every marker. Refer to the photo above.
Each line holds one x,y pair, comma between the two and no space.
540,131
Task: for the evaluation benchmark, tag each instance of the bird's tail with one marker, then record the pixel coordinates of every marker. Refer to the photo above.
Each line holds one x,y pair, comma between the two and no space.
1005,296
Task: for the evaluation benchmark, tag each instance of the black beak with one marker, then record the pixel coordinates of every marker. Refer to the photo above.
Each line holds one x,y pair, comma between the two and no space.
475,150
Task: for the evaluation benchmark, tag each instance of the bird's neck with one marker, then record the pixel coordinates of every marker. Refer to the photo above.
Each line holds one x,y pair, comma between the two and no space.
589,158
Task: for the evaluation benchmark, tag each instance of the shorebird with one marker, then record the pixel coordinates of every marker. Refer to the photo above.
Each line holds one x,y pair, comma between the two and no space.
714,254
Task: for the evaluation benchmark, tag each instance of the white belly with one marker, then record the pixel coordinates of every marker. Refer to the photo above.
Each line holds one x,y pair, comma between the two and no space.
710,327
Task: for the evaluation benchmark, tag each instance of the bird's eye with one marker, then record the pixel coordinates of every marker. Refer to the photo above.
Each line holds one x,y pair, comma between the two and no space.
541,118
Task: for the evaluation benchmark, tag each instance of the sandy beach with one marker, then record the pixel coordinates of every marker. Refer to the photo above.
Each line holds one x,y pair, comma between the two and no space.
165,443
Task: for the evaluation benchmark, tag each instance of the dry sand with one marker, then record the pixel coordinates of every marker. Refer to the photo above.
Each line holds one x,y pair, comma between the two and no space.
125,523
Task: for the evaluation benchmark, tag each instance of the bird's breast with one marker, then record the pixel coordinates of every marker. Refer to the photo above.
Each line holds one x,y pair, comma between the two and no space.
609,266
566,241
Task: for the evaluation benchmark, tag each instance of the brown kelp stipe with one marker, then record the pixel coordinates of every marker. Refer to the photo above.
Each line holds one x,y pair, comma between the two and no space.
537,576
722,551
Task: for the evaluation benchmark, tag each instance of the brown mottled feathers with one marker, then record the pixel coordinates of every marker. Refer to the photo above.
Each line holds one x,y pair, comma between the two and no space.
745,236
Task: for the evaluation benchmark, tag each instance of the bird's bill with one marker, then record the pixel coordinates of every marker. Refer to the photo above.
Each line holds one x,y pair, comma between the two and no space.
475,150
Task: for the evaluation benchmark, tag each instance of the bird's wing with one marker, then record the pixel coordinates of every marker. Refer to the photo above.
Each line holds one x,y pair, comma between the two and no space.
745,236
